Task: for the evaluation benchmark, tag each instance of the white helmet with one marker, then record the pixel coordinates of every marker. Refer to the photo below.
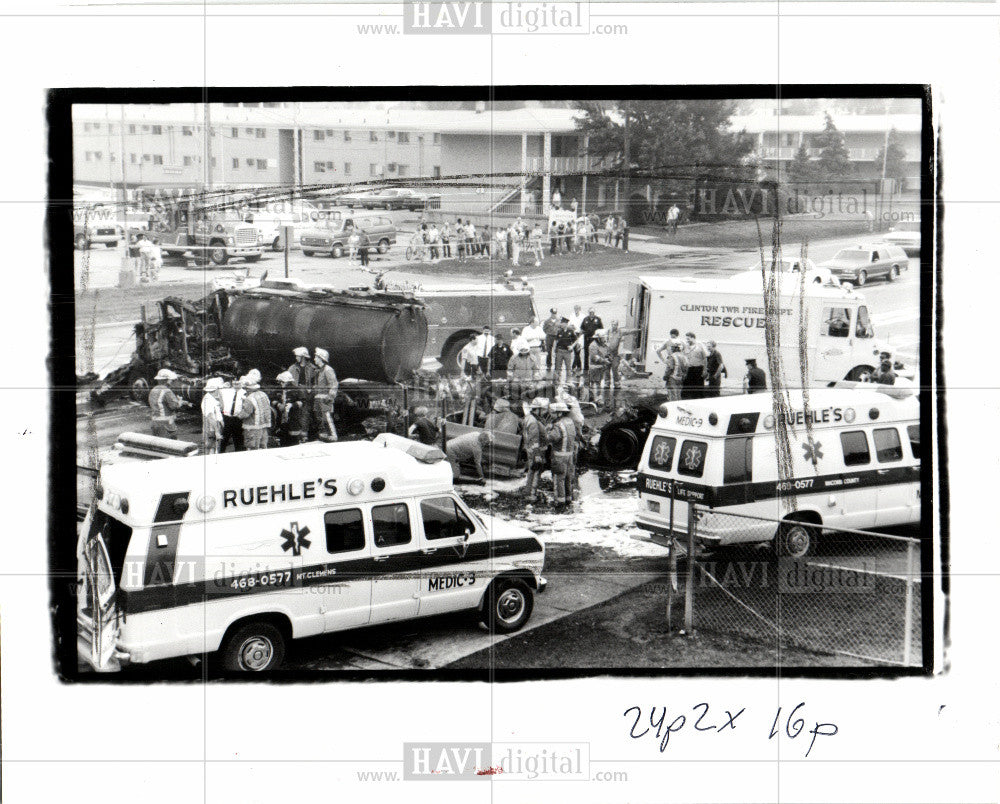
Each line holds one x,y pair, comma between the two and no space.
165,374
300,351
254,376
214,384
285,377
322,354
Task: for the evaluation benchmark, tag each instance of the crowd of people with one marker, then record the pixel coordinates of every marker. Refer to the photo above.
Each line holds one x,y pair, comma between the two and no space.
241,415
520,242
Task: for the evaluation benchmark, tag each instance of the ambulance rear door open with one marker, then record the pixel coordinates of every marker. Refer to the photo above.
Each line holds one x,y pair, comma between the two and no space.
637,317
97,611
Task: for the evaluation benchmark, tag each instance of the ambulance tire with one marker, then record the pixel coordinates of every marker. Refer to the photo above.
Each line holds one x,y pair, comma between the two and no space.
507,606
796,539
254,647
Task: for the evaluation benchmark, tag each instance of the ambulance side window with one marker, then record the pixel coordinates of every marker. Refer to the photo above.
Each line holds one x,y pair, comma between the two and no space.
863,329
443,519
391,524
345,530
887,446
913,431
836,322
692,458
738,460
855,444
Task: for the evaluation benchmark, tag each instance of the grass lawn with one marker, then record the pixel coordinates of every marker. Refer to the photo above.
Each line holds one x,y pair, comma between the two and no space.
601,258
742,234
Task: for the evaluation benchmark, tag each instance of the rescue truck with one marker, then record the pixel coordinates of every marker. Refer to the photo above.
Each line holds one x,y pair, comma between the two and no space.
855,463
840,339
236,554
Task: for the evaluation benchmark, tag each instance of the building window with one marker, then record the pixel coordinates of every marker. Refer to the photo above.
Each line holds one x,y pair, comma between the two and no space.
147,158
270,105
234,133
131,128
232,105
213,161
250,163
347,168
157,159
260,133
236,164
372,136
403,137
372,169
249,132
437,139
329,132
319,167
98,155
188,161
261,164
319,135
392,135
347,136
145,128
157,129
402,169
187,131
86,127
88,156
436,170
132,158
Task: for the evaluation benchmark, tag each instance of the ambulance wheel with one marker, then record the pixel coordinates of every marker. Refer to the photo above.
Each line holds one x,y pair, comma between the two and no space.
253,648
508,606
796,539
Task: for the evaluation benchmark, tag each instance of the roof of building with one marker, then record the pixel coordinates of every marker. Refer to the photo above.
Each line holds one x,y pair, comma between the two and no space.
766,120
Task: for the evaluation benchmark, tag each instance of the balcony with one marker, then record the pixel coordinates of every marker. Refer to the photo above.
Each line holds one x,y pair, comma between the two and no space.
564,164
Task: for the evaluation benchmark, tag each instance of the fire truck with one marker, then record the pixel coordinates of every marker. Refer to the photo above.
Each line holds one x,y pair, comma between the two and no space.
185,226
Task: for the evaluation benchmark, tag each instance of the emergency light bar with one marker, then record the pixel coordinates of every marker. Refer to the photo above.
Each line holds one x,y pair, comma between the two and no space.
422,452
154,447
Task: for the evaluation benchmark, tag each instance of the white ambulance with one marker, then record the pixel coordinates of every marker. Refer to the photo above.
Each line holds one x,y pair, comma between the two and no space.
240,553
856,465
840,338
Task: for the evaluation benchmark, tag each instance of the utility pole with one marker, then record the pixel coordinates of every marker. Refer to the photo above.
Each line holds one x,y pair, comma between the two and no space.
885,162
208,147
124,202
628,163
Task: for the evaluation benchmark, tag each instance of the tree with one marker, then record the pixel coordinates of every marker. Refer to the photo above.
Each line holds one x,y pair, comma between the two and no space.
834,163
801,170
892,157
676,138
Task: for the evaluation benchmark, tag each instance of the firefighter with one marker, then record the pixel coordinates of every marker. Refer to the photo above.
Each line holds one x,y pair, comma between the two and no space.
423,428
289,411
211,415
502,419
255,413
303,371
163,404
467,451
325,393
562,435
535,444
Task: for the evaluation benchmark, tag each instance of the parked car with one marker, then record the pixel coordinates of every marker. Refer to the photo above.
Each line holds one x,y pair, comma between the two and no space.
906,235
858,264
392,198
814,273
331,236
105,232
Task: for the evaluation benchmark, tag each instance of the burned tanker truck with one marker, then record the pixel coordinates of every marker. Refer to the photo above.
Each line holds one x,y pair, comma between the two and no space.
376,342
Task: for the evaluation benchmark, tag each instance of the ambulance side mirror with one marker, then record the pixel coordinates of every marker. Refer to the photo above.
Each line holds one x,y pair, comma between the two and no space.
466,535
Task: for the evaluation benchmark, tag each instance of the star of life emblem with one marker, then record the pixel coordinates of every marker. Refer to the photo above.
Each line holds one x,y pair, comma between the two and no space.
295,539
692,457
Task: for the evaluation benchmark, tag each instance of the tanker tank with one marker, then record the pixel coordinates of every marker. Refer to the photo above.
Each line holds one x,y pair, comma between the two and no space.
372,336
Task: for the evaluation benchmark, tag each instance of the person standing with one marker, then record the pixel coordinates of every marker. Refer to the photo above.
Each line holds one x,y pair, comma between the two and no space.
755,381
597,366
211,415
288,411
434,238
615,338
609,229
553,238
484,343
468,361
232,426
364,244
256,414
551,328
499,357
326,394
352,245
618,230
534,336
673,216
535,444
502,419
522,373
577,321
624,234
562,436
697,357
536,244
460,239
565,338
470,238
715,368
163,405
588,326
446,240
676,372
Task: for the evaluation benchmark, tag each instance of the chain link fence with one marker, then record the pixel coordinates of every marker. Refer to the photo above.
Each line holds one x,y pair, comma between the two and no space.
854,594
